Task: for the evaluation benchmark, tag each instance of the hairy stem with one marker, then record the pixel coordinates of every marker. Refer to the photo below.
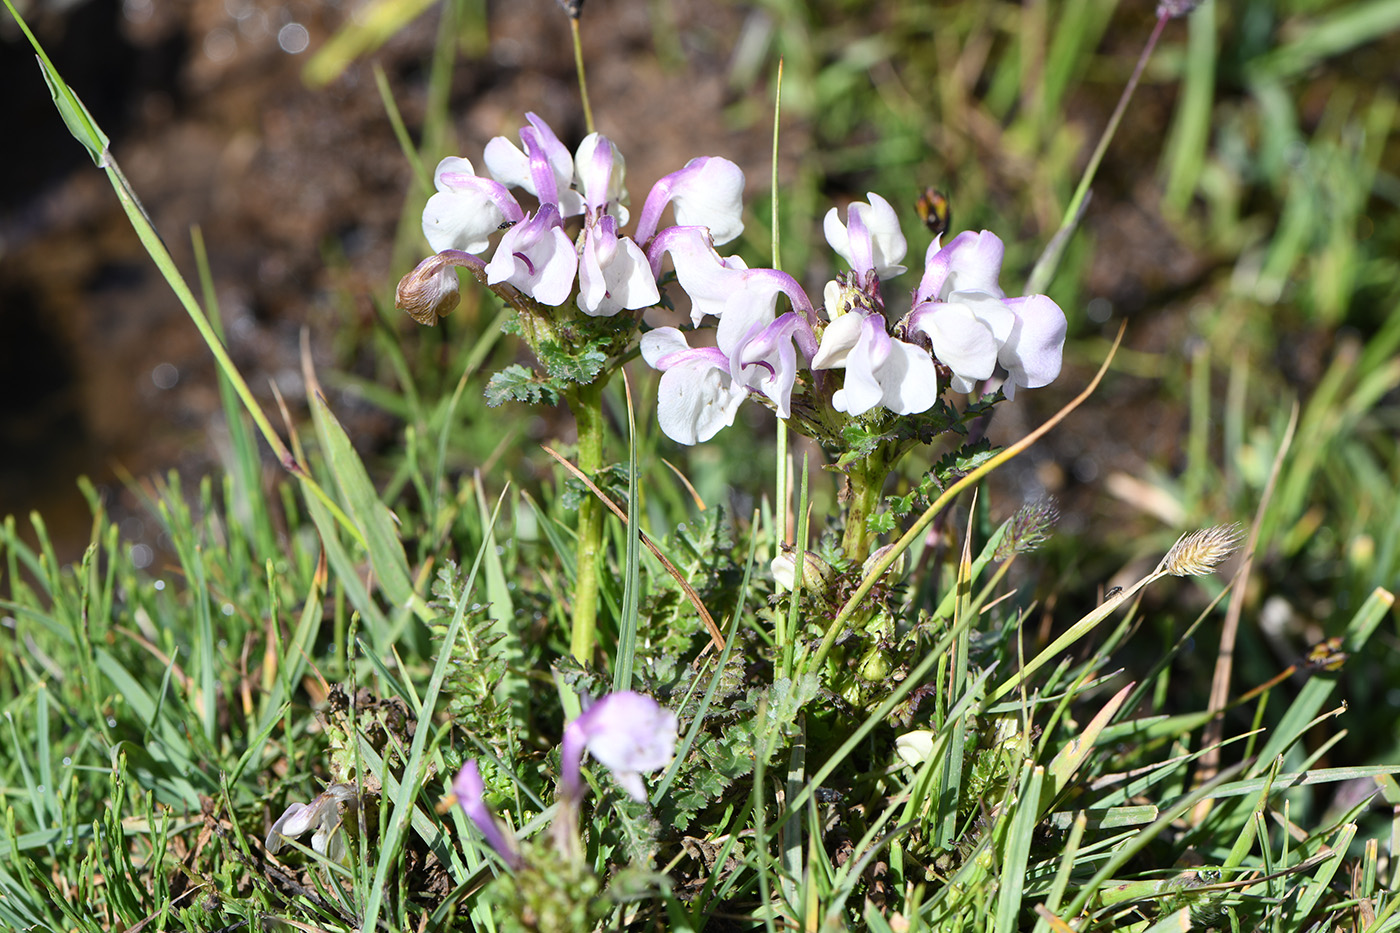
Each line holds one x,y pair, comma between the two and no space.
865,482
587,405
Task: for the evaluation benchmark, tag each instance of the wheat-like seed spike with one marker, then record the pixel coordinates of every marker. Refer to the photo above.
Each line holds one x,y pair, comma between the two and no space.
1029,529
1199,552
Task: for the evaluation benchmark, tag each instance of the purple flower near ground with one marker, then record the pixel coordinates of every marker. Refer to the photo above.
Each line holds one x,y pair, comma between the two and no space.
470,791
630,734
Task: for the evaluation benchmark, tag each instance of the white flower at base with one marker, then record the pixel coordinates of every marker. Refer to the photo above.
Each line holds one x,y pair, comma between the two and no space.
322,814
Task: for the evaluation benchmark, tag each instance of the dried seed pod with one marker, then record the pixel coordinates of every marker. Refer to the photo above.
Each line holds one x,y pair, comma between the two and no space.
431,291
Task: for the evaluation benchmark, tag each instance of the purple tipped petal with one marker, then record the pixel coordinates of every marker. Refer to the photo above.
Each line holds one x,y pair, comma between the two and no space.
707,192
971,263
537,257
598,166
613,272
870,240
708,279
467,208
544,168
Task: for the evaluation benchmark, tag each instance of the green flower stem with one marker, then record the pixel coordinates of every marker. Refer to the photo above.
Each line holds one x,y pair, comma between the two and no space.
586,403
866,481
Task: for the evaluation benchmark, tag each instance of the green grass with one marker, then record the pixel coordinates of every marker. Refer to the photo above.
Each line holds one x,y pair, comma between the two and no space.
374,621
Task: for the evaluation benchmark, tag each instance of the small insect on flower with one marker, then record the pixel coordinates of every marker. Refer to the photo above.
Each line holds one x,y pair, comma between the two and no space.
935,210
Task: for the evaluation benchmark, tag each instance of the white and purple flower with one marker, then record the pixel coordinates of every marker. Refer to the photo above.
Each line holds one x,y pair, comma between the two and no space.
698,396
611,269
880,370
971,324
630,734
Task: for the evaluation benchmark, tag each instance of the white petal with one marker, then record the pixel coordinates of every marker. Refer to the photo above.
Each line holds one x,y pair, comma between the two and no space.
909,380
696,402
623,280
662,342
887,240
508,164
861,390
838,340
975,263
961,341
836,235
294,821
452,165
1034,351
711,196
465,221
631,782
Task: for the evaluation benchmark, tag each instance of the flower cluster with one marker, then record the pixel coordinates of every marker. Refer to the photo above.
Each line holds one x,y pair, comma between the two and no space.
602,270
960,317
960,321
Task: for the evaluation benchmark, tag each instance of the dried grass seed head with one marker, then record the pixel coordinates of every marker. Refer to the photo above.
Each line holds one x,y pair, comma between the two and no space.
1199,552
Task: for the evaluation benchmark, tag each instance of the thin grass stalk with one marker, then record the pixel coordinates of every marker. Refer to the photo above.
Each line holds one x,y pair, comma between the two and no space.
1049,261
786,640
1224,662
631,579
578,67
781,493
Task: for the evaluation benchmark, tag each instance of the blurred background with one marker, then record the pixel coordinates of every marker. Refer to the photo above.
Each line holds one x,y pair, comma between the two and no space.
1243,223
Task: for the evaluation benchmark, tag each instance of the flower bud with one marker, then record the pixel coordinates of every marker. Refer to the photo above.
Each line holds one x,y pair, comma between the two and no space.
843,295
816,573
896,569
914,747
430,291
875,666
1172,9
470,791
